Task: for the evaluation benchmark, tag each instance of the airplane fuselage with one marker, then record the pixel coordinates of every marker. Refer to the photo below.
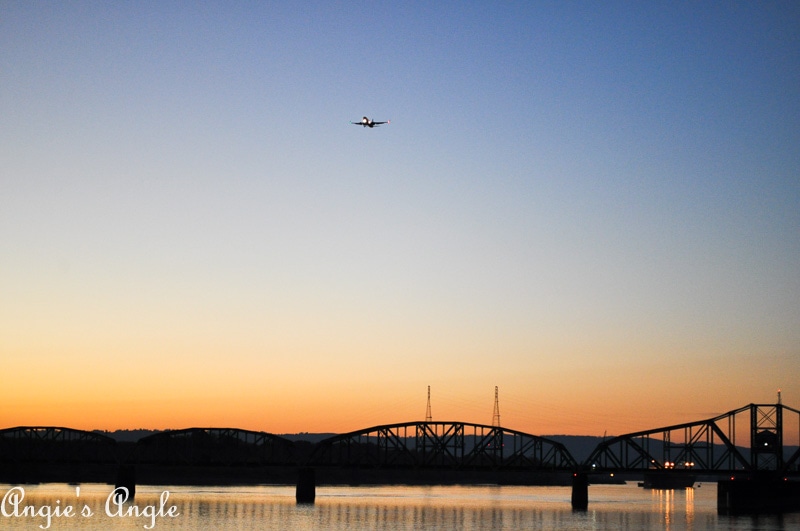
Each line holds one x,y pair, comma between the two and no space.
366,122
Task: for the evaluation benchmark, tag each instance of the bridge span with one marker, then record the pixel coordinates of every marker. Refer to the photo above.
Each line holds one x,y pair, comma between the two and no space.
440,452
744,443
742,449
746,440
441,445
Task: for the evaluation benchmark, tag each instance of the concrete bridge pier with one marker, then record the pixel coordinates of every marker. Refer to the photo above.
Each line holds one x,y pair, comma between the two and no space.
306,485
758,494
580,491
126,477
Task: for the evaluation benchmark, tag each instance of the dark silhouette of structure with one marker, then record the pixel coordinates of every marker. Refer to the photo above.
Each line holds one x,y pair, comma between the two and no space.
440,453
704,447
428,414
31,453
496,412
214,447
422,452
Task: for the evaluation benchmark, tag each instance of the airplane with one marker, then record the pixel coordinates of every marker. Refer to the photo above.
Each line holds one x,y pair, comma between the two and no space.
366,122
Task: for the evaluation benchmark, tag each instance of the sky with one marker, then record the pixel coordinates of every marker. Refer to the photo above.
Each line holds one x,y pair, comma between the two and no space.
592,206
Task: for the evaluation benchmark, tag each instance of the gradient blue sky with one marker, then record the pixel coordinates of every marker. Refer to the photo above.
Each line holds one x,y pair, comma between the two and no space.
592,205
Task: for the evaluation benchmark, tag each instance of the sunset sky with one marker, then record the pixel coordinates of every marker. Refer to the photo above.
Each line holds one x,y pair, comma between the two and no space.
594,206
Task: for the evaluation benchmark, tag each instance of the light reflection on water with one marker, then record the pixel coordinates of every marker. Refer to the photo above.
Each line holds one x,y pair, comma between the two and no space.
397,508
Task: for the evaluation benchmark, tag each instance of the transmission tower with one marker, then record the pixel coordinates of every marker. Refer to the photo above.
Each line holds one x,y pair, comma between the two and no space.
496,414
428,416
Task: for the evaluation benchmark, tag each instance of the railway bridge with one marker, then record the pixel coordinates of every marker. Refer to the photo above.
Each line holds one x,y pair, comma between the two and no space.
745,444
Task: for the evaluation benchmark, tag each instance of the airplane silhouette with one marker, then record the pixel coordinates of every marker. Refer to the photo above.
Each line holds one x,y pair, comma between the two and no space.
366,122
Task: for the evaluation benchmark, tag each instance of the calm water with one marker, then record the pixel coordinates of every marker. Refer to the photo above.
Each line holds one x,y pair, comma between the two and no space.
392,507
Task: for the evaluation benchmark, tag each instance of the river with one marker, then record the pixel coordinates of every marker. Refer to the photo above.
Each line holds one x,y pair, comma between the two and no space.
89,507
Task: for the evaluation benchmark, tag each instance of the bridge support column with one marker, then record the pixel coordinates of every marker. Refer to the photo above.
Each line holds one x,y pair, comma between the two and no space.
306,485
765,494
126,477
580,491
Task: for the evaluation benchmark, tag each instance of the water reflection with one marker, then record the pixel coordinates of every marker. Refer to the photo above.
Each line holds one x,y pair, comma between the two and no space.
665,505
689,507
676,507
394,516
401,508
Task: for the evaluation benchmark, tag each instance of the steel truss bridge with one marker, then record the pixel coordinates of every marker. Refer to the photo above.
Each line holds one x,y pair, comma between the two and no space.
746,440
442,445
214,447
707,446
44,444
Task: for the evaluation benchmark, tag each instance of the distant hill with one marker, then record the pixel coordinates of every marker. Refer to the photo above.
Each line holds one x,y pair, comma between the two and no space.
579,446
308,437
127,435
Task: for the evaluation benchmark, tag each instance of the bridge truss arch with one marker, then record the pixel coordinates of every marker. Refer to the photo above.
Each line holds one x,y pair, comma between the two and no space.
748,439
214,447
442,445
52,444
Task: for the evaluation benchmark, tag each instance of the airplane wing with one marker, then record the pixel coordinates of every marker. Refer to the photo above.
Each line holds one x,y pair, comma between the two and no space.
369,124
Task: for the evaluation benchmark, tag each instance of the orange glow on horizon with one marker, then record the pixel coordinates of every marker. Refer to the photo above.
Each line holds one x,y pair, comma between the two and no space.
291,413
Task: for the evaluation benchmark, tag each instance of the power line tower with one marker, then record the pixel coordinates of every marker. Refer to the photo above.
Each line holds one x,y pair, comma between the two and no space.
428,416
496,414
